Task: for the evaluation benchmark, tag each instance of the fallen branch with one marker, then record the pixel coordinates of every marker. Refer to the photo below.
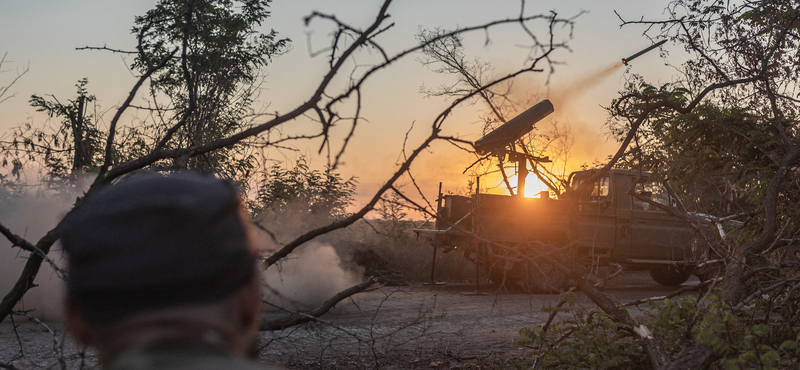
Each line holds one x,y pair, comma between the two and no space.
25,280
673,294
18,241
297,318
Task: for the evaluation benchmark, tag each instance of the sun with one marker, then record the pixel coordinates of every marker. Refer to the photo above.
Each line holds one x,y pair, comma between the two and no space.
533,186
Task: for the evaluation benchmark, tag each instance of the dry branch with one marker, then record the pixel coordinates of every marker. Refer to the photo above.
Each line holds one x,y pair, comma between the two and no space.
297,318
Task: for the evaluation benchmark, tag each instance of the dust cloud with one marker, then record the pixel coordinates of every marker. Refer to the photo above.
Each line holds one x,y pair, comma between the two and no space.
308,277
312,273
31,217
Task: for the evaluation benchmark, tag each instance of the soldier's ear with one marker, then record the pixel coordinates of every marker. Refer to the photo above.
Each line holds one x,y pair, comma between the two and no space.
76,324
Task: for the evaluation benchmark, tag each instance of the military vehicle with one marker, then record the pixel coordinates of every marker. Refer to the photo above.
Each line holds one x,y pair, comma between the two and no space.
624,217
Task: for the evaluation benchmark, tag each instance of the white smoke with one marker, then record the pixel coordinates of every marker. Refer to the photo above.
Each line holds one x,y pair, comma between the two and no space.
312,273
307,277
31,217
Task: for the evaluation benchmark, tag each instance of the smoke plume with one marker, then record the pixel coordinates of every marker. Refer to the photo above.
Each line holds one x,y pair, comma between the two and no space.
563,97
31,217
312,273
308,277
571,113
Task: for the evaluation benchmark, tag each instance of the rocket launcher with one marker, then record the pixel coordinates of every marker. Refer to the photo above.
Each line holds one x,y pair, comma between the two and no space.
514,128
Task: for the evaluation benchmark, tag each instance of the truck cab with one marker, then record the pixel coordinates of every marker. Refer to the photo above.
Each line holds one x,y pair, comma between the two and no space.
618,224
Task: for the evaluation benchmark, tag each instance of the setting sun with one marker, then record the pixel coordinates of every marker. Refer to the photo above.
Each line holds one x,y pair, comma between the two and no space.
533,186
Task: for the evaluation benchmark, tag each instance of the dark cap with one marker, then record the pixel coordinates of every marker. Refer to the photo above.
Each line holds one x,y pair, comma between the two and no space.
156,241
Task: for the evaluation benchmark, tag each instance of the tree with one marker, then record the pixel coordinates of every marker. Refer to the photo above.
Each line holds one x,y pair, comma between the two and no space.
178,142
213,83
9,186
77,137
546,148
726,134
318,192
289,199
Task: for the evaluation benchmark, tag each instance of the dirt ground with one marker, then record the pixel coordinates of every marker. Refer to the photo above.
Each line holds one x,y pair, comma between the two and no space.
406,327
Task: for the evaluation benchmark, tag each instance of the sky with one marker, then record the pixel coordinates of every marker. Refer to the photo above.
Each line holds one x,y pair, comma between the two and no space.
43,36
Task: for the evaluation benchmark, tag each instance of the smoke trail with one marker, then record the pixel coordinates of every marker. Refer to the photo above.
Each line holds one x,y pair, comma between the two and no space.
564,97
589,142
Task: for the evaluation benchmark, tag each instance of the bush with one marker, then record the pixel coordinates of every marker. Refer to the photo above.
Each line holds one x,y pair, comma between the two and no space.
593,340
583,340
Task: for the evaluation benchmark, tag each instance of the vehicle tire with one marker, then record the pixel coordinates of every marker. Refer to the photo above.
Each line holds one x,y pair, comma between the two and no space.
670,275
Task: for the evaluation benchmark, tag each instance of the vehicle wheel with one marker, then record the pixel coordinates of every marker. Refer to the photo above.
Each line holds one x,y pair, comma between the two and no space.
670,275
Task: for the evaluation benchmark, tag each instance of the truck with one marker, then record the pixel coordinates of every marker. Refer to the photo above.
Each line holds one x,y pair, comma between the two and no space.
624,217
509,236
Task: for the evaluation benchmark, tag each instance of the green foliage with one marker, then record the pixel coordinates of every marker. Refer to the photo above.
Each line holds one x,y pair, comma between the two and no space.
304,191
592,340
721,156
213,82
583,340
718,159
72,146
210,87
673,321
76,140
225,48
743,340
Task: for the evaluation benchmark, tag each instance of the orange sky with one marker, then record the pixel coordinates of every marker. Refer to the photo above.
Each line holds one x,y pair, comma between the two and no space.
45,38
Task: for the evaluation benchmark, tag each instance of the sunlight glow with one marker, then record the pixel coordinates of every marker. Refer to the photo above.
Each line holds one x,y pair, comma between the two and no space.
532,186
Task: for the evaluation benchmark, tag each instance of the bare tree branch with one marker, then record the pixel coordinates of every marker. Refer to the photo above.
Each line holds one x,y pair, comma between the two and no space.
297,318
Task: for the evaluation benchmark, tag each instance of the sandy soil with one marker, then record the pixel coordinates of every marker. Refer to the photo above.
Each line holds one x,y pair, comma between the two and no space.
409,327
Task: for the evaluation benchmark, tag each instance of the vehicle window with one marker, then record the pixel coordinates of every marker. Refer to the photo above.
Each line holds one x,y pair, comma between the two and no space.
601,188
653,190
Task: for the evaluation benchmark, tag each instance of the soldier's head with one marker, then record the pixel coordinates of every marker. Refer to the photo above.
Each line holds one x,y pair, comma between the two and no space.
161,259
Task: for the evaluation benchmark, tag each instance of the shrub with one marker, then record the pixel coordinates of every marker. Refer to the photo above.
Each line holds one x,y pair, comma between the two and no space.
593,340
